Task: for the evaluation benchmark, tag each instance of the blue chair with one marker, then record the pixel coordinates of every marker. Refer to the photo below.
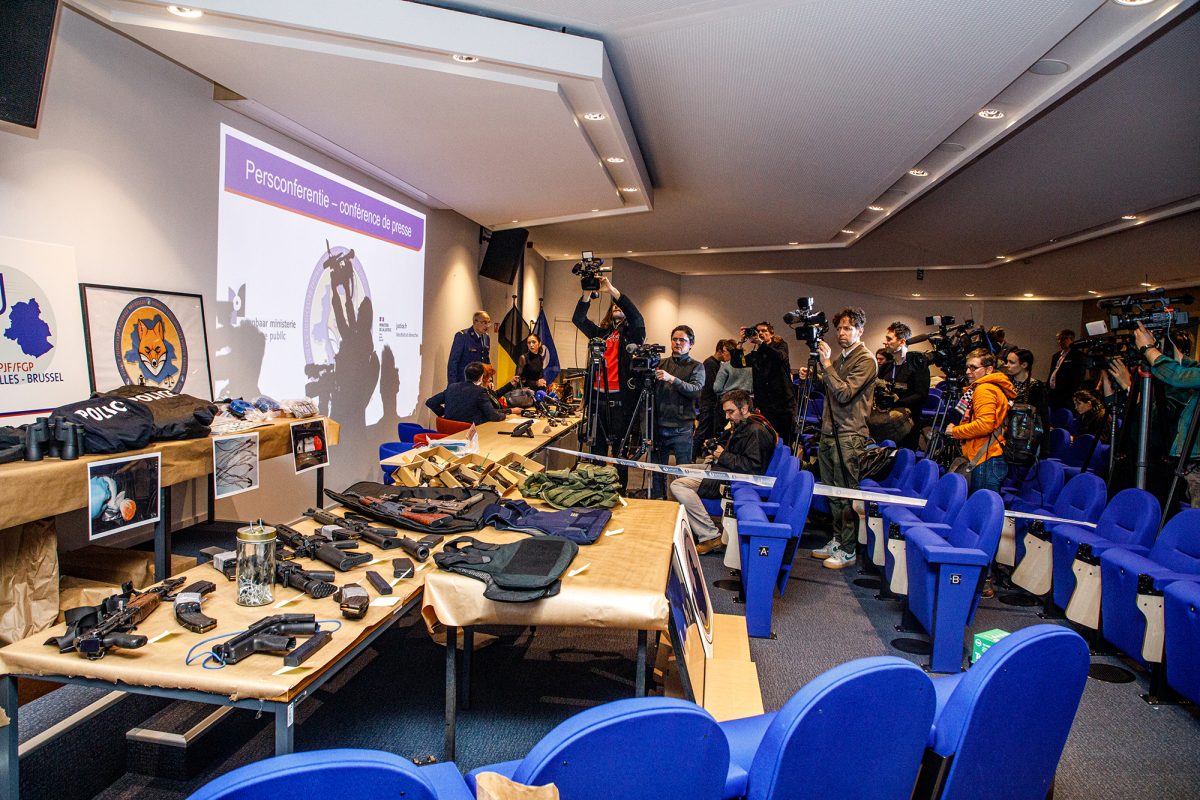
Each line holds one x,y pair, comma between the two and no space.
387,450
782,465
338,773
643,747
1063,418
407,431
944,501
878,710
767,550
1057,443
1182,622
1130,520
1080,452
1001,726
933,402
904,461
1042,486
1124,575
1082,498
946,571
916,482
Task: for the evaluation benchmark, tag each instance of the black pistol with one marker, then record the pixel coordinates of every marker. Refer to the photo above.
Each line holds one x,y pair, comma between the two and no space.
275,635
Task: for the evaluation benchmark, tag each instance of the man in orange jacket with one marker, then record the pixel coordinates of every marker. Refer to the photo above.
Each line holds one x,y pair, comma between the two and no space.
981,430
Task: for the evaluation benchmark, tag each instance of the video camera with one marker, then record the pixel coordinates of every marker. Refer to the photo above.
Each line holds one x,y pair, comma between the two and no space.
644,357
588,269
809,325
1098,351
1153,309
951,344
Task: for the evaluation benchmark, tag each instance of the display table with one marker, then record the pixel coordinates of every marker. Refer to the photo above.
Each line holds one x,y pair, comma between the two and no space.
32,490
621,586
158,668
496,445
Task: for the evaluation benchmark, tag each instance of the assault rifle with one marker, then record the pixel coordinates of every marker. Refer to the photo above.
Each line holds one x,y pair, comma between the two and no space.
314,583
275,634
425,511
321,548
384,538
92,630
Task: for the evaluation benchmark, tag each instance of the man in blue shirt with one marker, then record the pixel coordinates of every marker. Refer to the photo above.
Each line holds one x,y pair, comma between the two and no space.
1182,377
470,344
467,400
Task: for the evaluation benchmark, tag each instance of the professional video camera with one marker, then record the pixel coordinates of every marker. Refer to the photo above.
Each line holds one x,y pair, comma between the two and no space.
951,344
588,269
1098,351
809,325
1152,309
643,361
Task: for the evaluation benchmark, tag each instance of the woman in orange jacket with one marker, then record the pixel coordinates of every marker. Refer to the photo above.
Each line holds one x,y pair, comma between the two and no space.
981,430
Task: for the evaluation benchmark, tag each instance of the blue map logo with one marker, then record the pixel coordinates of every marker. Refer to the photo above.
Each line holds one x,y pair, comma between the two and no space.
25,322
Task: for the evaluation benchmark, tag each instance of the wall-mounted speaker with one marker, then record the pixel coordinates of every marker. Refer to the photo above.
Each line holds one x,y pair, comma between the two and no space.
505,251
28,31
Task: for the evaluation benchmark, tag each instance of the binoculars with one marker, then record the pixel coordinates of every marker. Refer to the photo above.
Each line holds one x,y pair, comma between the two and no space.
57,437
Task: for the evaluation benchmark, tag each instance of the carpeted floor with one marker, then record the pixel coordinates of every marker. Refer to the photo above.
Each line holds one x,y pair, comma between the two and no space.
392,697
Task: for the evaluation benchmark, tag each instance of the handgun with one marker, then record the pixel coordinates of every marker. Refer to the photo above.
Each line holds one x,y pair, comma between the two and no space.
276,634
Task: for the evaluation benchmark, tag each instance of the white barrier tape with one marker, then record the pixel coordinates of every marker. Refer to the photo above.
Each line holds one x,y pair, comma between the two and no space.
1044,518
757,480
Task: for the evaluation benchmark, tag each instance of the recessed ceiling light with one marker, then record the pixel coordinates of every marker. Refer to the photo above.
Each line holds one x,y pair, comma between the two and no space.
465,59
1129,216
874,208
793,243
705,247
970,294
628,188
1029,294
918,172
847,230
991,113
1001,256
1132,2
594,210
950,147
568,255
514,220
628,251
1147,285
916,294
1091,292
615,160
594,116
1049,66
185,12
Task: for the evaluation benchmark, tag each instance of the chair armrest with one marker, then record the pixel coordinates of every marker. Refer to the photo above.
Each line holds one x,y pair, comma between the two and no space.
962,556
762,491
1161,579
766,507
772,530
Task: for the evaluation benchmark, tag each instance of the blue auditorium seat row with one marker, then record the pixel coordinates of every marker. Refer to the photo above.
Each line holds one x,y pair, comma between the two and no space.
923,738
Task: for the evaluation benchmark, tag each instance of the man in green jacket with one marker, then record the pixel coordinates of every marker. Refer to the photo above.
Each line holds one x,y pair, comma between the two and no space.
1182,377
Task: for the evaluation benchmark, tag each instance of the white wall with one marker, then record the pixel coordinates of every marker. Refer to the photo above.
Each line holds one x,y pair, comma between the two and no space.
124,168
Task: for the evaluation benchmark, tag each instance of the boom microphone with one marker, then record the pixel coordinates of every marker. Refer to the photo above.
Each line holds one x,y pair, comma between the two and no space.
920,337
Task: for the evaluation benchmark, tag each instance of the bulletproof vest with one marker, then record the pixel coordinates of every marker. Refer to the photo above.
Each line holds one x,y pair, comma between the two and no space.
586,485
111,424
580,525
513,573
176,416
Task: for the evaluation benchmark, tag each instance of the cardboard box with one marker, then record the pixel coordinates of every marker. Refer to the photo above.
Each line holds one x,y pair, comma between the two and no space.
114,565
76,592
523,467
982,641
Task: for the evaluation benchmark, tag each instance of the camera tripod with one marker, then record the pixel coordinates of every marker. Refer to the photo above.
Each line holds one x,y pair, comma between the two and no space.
643,412
814,361
938,438
596,404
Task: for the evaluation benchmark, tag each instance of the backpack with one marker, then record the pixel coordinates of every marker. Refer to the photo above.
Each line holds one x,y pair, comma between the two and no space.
1022,434
876,462
524,570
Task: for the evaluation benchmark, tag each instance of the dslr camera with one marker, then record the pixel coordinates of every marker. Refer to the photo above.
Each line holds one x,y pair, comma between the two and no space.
589,268
809,325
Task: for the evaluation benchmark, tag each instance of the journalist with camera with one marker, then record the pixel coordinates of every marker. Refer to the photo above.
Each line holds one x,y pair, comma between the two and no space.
849,381
745,447
767,356
984,408
609,392
678,381
901,390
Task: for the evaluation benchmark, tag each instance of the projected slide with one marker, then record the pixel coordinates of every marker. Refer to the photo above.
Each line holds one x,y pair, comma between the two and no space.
319,287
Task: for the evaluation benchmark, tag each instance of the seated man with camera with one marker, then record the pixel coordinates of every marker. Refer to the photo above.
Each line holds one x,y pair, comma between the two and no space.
748,445
849,379
611,396
679,380
901,391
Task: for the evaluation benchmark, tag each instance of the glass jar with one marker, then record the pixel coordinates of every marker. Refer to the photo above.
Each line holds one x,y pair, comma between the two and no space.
255,564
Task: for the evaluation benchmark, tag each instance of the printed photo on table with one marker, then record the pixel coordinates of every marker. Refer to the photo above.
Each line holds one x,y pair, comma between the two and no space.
235,465
122,494
309,445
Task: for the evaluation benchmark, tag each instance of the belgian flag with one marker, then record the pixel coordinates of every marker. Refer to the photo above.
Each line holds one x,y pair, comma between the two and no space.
513,332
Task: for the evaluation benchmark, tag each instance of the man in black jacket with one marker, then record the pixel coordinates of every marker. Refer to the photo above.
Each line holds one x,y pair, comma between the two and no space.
906,376
708,419
1066,372
622,325
466,401
774,393
748,451
679,380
